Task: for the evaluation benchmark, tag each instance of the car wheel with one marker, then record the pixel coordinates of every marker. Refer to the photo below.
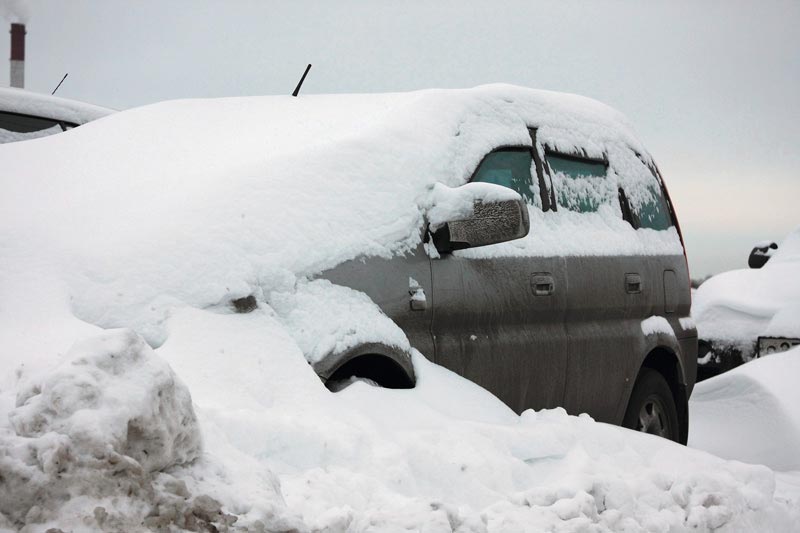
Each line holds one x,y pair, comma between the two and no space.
651,408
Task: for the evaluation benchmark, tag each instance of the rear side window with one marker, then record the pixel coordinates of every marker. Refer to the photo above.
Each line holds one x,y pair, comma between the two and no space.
24,123
509,167
653,212
580,183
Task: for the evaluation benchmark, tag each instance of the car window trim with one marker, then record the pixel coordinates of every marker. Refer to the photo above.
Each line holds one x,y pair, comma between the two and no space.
510,147
63,124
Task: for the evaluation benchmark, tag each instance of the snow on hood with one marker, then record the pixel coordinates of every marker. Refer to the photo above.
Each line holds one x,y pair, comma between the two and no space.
47,106
736,307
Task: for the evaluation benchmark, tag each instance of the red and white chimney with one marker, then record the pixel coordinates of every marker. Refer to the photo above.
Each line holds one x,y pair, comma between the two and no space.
17,75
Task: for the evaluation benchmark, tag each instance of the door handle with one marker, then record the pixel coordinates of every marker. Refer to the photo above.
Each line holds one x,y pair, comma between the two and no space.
633,283
542,284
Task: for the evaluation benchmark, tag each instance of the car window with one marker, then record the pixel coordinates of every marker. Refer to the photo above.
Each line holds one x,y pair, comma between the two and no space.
580,183
509,167
653,212
24,123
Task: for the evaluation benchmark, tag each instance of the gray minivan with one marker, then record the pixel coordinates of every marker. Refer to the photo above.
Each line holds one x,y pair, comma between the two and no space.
593,326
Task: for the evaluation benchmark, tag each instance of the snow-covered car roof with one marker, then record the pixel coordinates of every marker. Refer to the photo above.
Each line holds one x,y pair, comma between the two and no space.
738,306
237,187
24,102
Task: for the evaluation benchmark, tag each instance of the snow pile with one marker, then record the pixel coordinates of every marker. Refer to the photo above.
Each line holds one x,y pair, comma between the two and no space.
108,415
750,413
734,308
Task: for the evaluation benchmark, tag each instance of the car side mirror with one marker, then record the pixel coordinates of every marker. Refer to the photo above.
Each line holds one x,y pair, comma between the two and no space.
761,254
491,222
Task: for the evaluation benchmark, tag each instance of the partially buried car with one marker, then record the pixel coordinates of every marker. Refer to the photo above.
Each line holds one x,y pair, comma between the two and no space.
523,239
28,115
748,313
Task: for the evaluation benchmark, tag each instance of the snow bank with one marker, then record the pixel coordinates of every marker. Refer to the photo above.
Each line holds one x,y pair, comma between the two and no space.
751,412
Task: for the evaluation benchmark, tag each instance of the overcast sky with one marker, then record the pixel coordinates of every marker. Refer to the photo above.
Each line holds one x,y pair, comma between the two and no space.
711,86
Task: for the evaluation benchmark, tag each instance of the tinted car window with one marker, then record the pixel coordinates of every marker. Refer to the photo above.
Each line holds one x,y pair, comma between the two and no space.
24,123
580,184
510,168
653,213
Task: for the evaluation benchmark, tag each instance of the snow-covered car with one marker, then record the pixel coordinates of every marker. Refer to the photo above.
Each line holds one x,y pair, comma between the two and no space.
522,239
28,115
748,313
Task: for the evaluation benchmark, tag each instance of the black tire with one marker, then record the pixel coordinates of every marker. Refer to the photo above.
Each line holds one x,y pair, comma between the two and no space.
651,408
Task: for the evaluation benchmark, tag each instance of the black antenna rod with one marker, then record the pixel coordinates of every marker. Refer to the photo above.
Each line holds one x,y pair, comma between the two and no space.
300,83
59,84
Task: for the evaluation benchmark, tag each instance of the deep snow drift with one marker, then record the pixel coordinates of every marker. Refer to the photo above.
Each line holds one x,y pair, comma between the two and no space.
751,412
154,219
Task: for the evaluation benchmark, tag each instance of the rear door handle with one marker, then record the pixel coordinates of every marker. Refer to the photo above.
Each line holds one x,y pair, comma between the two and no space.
633,283
542,284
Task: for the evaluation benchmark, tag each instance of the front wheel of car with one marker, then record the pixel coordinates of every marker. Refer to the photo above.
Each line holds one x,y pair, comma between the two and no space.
651,408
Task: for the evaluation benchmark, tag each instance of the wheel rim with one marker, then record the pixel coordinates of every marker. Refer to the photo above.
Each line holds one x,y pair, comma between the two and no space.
653,418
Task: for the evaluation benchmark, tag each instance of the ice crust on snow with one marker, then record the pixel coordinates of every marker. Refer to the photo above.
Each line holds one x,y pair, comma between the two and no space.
181,207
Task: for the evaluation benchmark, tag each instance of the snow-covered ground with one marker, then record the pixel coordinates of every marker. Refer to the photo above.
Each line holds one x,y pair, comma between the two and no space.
132,397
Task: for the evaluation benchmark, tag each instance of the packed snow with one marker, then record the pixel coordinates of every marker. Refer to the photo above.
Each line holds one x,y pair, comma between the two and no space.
134,397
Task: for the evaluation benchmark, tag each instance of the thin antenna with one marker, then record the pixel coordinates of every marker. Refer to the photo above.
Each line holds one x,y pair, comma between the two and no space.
300,83
59,83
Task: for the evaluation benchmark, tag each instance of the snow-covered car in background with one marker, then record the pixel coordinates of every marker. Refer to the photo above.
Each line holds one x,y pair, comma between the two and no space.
748,313
28,115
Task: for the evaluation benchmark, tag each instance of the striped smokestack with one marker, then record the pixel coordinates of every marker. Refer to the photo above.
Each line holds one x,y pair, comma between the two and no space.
17,77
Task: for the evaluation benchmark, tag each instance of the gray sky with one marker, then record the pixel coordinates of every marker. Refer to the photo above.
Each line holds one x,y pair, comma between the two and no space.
711,86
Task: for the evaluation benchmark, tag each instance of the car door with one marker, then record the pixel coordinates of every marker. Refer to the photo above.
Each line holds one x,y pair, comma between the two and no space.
498,315
610,293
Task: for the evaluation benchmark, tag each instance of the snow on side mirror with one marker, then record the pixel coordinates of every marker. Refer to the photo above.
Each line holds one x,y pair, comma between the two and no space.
761,254
476,214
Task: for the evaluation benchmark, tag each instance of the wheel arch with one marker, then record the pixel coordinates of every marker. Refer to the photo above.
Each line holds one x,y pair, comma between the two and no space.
388,366
664,360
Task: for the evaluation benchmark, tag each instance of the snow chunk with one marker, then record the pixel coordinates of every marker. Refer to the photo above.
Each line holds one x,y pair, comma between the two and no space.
113,391
656,324
98,425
